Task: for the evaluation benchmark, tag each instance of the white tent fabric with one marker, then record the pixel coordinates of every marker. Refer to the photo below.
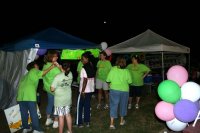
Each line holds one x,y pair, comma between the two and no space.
12,68
148,41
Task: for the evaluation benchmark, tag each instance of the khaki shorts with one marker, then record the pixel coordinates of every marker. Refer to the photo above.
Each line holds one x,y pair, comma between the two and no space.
101,85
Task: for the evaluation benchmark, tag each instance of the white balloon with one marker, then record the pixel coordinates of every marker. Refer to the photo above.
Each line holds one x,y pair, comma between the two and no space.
190,91
176,125
104,45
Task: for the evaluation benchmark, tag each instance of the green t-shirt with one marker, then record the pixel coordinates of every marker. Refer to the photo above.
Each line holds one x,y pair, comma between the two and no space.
137,73
28,85
119,79
48,78
79,67
103,68
63,93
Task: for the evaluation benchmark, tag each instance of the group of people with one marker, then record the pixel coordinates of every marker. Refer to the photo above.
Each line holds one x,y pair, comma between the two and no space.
118,83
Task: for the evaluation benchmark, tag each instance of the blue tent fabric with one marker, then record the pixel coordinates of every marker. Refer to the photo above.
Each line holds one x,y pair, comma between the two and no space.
50,38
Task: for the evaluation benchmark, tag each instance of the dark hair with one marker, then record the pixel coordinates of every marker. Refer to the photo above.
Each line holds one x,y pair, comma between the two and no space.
104,53
121,61
136,57
49,56
31,65
65,66
91,59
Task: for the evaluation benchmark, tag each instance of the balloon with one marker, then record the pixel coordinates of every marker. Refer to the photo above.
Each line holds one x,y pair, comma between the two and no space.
108,52
178,74
41,51
176,125
185,110
164,111
190,91
104,45
169,91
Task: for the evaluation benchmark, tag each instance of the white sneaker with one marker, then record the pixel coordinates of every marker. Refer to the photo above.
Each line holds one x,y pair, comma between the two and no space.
129,106
55,124
26,130
35,131
136,106
98,106
49,121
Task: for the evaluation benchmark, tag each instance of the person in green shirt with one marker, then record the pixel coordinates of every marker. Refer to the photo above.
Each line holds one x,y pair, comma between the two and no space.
119,79
50,58
26,96
103,68
138,72
79,67
61,86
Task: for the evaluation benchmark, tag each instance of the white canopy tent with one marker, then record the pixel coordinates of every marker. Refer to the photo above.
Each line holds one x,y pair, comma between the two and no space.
150,41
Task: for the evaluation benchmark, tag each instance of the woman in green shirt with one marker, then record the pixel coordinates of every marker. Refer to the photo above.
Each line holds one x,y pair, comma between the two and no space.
26,96
138,72
119,79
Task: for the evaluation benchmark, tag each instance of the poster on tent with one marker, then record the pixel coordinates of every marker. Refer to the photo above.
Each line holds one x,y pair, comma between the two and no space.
13,117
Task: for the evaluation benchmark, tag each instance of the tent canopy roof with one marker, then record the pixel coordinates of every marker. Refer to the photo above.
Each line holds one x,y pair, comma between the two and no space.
148,41
50,38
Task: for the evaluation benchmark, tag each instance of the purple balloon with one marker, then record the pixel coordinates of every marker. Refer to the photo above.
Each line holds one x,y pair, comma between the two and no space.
185,110
41,51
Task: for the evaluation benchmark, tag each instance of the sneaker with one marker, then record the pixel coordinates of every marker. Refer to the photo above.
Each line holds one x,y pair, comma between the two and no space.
55,124
122,123
136,106
112,127
87,124
98,106
35,131
129,106
26,130
49,121
106,106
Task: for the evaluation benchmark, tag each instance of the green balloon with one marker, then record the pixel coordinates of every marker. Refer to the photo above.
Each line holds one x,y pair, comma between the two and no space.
169,91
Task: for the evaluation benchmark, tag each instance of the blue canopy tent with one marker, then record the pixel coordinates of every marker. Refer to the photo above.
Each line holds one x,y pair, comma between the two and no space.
15,56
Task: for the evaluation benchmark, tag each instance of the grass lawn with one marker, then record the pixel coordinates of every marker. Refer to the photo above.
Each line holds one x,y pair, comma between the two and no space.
142,120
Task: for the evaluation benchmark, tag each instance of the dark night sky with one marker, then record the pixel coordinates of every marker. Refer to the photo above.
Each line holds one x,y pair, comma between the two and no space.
178,22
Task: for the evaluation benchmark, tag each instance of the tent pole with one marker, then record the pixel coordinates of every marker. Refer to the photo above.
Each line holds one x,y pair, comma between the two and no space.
163,69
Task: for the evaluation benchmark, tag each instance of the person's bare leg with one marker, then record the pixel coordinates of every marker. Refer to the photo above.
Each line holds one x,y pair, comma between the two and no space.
130,100
106,97
121,119
137,100
99,96
61,124
69,122
111,121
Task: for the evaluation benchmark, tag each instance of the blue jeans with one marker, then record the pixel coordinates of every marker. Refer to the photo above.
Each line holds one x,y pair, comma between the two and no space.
84,103
30,106
118,98
50,104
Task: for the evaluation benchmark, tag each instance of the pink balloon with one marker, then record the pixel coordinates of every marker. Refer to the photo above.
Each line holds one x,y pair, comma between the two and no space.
164,111
178,74
108,52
